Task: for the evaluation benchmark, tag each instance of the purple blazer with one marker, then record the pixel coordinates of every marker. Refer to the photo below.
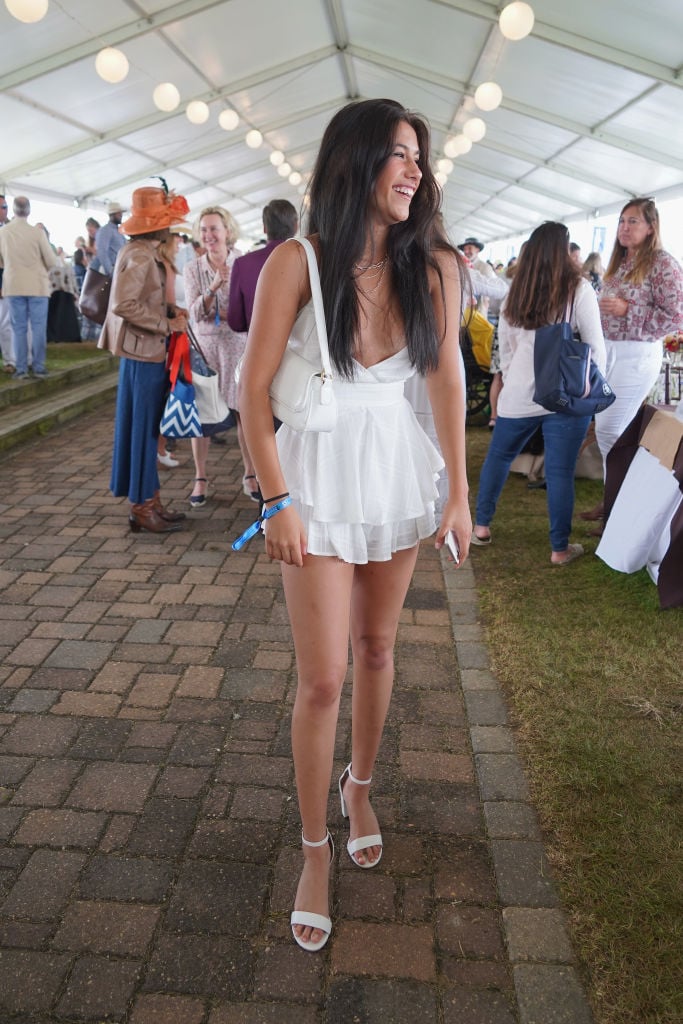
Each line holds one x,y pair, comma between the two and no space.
243,277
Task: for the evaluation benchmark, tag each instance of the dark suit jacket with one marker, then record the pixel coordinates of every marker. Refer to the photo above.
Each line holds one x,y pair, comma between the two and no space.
243,277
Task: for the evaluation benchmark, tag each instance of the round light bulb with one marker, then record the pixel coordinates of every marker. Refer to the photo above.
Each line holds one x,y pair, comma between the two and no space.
295,178
197,112
27,11
444,165
277,157
284,170
228,120
254,138
458,146
474,129
111,65
516,20
488,96
441,178
166,97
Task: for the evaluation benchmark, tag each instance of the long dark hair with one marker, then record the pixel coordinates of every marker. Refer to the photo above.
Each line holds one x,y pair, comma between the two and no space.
647,250
355,147
545,280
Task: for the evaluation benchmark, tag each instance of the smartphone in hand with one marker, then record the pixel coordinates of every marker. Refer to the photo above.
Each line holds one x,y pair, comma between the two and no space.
452,545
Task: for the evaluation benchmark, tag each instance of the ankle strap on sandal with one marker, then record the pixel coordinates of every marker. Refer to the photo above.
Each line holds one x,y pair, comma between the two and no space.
322,842
359,782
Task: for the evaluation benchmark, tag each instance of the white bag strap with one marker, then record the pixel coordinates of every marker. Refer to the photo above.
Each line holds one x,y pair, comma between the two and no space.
318,307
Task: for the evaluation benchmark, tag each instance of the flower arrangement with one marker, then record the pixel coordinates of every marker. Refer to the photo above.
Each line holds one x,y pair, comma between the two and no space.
674,342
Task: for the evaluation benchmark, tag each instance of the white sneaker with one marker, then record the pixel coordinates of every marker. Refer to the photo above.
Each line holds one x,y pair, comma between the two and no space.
167,460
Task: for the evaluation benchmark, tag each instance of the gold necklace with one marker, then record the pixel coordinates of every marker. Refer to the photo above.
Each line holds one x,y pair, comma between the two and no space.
379,276
371,266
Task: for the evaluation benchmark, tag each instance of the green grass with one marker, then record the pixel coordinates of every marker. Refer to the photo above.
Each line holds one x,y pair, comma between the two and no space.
60,356
592,670
63,355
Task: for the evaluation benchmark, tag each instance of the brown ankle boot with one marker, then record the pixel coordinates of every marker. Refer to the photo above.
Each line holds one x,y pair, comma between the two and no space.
146,517
166,513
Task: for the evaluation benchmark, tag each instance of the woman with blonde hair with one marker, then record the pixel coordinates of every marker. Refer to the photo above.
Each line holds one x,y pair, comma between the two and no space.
207,290
593,270
640,303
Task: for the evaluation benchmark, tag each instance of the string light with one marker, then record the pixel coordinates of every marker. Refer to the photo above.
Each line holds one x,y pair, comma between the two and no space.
294,178
28,11
445,165
457,146
474,129
254,138
277,157
111,65
197,112
488,96
166,97
516,20
228,120
284,170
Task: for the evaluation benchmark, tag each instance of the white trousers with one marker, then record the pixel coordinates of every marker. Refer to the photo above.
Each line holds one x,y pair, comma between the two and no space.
6,337
632,371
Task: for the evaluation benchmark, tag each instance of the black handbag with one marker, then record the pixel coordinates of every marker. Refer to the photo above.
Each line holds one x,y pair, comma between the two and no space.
566,378
62,322
94,298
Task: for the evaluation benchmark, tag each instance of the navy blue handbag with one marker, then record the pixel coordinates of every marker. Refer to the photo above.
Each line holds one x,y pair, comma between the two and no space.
566,378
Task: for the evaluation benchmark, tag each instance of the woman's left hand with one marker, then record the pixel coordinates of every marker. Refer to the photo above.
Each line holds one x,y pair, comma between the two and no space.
458,519
613,306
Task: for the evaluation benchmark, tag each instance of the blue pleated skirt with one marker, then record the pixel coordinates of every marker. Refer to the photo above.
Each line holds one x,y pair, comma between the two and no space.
139,405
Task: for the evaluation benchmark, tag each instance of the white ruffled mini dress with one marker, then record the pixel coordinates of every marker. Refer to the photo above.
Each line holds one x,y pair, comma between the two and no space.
366,488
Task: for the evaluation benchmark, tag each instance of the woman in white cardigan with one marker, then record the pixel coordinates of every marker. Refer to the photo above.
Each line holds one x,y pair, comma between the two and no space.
545,288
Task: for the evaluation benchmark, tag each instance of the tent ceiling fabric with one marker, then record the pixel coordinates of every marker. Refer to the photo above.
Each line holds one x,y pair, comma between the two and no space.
592,109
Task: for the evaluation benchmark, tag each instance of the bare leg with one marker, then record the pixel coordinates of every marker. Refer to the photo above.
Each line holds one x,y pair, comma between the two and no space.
318,599
379,591
200,452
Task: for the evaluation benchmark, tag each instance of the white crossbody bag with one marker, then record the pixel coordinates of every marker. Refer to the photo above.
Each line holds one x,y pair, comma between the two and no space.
301,394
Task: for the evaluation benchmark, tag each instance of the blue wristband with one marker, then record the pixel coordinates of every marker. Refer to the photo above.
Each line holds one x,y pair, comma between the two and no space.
252,530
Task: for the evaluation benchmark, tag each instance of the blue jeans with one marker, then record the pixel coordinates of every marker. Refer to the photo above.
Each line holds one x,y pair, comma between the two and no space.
25,309
562,438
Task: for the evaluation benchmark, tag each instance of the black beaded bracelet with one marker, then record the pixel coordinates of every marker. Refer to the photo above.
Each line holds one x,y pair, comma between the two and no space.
277,497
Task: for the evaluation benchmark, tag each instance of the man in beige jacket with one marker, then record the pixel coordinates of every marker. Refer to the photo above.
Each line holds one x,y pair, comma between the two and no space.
26,257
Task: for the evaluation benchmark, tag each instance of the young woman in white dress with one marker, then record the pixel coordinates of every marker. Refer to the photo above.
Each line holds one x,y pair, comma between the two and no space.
363,494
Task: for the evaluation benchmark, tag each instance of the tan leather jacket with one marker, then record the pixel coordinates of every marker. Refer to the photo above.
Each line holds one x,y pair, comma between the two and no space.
137,323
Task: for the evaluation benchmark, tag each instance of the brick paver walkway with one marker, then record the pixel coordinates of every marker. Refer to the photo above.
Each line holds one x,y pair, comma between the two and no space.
148,821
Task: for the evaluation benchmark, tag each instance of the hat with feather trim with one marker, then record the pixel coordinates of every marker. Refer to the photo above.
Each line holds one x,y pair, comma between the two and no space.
153,209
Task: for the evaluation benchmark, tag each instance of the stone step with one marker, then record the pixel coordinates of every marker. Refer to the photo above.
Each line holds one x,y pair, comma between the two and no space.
46,404
21,392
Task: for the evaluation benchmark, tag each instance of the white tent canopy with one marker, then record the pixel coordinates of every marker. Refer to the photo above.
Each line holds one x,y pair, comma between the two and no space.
592,109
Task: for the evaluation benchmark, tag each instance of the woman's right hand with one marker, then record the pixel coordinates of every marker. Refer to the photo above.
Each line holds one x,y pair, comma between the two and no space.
286,537
220,277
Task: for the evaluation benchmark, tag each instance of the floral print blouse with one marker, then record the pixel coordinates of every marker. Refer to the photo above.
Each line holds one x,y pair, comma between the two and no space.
655,307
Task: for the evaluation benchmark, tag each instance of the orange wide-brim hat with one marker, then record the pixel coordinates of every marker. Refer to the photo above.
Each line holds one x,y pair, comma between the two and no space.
153,209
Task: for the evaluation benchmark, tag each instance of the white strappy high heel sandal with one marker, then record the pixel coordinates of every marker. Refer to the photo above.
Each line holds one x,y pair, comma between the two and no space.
308,920
363,842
